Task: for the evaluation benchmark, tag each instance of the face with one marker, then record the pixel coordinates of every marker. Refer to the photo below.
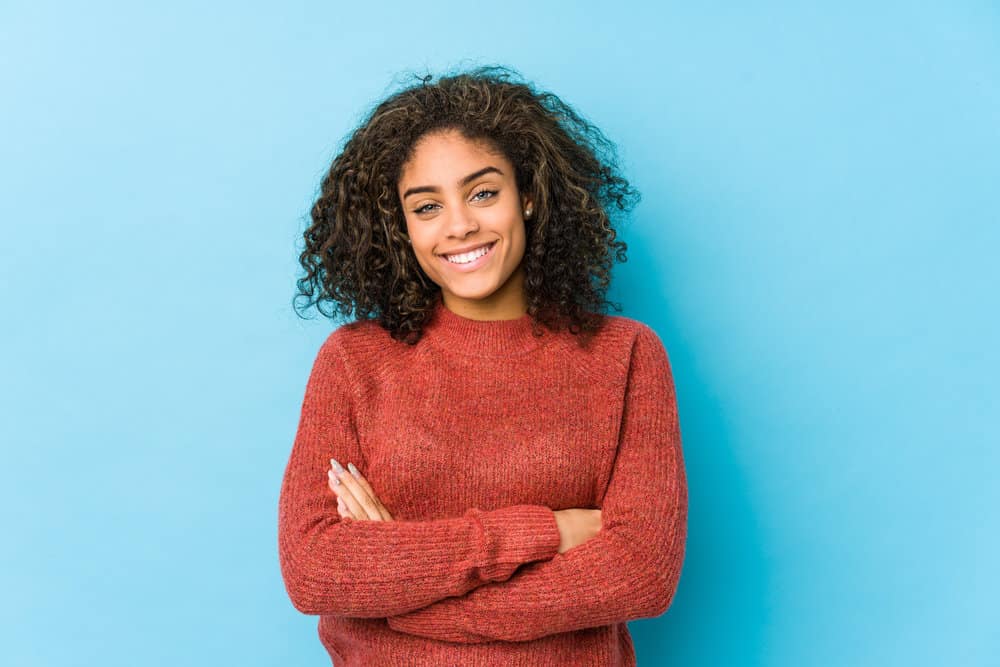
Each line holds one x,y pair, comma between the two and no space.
460,199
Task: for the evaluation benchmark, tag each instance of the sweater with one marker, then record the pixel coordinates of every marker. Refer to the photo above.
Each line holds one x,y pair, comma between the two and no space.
472,438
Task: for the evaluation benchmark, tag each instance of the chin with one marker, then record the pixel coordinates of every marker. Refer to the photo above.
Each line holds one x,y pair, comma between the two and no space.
473,295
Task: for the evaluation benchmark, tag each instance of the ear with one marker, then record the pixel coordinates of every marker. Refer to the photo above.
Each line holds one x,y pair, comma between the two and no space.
526,203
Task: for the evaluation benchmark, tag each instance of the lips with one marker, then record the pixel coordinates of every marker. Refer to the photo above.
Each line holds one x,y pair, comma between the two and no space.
474,264
466,249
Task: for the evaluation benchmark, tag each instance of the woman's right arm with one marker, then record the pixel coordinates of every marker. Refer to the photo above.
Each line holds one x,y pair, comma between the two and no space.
374,569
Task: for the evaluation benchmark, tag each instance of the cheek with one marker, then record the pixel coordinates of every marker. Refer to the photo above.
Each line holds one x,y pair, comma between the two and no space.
519,239
425,256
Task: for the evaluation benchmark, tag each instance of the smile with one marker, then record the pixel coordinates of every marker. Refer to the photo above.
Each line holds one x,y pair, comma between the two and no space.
469,261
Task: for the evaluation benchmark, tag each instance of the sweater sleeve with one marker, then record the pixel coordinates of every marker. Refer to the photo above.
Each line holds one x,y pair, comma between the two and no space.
629,570
373,569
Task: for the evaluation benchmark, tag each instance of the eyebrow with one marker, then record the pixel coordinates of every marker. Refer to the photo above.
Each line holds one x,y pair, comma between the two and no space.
465,181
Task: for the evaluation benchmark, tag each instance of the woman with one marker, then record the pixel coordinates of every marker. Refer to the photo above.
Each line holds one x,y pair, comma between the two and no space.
514,490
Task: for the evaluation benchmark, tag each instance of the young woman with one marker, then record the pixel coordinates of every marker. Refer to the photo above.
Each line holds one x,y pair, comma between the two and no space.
514,489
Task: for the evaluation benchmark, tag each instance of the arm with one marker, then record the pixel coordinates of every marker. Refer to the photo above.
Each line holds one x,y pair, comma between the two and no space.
376,569
629,570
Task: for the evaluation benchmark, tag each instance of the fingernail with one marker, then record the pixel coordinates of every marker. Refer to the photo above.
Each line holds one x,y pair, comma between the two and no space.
354,471
333,476
336,466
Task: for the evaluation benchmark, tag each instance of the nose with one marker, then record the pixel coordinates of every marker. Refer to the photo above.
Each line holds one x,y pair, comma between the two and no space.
461,223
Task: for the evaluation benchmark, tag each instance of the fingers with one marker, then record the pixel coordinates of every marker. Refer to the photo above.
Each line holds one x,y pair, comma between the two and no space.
342,509
347,504
370,491
352,495
356,496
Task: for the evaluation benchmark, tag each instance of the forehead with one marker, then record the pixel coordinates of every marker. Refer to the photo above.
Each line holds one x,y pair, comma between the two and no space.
440,158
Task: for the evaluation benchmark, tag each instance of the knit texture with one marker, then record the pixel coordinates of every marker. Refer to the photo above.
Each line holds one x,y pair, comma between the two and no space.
471,439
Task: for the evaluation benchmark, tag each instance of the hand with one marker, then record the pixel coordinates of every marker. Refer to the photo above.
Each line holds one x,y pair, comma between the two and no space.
576,526
355,497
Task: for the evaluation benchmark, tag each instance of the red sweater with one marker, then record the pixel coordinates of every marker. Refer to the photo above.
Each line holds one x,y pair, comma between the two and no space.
471,439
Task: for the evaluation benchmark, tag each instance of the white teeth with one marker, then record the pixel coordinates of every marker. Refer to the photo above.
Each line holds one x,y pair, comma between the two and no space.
467,257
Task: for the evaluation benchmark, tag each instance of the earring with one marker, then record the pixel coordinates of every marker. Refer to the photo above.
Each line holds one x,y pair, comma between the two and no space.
527,212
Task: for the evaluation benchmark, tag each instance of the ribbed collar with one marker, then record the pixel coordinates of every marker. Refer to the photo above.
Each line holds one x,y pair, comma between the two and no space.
485,338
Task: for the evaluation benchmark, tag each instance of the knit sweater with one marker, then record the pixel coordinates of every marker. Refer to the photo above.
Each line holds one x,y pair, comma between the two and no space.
471,439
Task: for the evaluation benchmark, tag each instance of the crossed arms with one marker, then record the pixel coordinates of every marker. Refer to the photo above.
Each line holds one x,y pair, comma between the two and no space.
490,575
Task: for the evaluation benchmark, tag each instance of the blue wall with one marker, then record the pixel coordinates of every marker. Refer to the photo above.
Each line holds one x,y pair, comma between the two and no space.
815,246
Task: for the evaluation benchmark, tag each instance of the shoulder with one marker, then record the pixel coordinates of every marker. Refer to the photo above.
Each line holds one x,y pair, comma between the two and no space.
629,326
612,350
627,335
354,343
357,332
367,354
646,356
637,346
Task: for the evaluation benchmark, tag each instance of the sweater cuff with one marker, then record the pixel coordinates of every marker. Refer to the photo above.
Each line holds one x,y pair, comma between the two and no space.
515,535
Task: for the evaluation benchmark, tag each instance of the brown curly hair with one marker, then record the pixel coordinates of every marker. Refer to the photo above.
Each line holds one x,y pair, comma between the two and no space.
356,256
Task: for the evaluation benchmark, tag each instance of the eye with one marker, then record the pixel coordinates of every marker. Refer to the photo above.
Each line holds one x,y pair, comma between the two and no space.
490,193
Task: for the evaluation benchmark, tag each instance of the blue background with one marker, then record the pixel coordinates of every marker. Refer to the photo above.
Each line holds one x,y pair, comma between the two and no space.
816,247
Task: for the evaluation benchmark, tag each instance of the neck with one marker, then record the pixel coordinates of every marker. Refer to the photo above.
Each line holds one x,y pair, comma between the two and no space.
509,302
457,333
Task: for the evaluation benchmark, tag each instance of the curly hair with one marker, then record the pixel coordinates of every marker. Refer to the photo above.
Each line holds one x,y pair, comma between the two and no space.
356,256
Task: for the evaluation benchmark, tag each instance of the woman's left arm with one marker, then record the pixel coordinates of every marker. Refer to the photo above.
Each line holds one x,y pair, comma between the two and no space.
630,570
